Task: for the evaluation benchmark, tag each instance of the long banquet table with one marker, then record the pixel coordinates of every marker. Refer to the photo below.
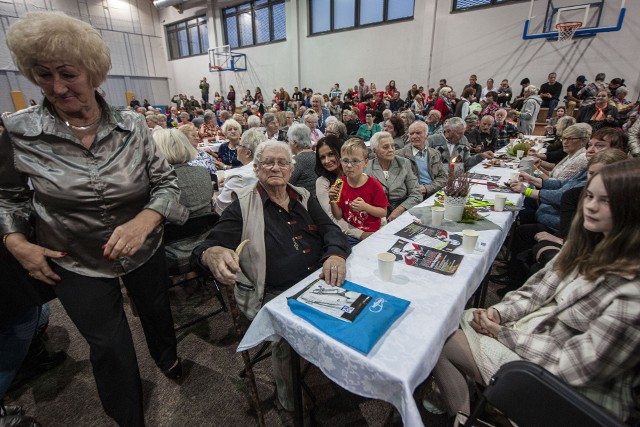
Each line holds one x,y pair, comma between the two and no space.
407,353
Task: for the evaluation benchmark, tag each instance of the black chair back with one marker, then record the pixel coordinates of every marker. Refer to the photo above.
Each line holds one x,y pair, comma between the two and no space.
532,396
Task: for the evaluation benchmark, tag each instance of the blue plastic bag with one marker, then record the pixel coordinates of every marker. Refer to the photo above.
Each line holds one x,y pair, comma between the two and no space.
370,325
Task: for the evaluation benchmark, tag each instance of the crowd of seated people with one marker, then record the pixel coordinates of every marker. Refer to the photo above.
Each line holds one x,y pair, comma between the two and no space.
392,152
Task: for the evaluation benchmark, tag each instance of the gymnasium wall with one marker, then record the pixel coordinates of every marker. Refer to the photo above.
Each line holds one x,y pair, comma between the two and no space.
435,44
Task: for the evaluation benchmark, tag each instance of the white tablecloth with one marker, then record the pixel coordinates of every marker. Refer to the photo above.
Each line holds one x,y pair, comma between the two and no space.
407,353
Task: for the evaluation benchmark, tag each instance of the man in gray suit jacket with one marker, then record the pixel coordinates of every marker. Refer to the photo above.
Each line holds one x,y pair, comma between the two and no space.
452,143
425,162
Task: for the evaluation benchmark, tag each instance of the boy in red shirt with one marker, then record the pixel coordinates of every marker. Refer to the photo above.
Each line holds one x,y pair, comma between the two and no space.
362,201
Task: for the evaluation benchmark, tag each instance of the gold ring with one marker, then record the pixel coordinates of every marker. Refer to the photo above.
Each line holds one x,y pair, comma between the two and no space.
127,248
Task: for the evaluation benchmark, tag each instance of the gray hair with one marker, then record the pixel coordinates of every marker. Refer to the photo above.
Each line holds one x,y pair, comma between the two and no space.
268,118
622,91
531,89
230,123
444,91
251,138
174,146
253,121
300,135
579,130
375,139
563,123
454,123
410,116
208,115
338,128
257,156
152,118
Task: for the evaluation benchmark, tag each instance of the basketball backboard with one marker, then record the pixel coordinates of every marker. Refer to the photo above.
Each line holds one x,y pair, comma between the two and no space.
596,17
221,58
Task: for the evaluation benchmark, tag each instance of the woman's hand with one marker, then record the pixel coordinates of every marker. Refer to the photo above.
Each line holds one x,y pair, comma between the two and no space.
486,322
518,187
334,270
129,237
33,258
223,263
543,235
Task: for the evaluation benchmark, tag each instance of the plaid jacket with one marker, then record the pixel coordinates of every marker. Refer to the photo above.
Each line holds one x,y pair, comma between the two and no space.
591,339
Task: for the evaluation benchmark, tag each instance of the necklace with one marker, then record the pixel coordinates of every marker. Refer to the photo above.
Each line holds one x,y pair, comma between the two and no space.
82,128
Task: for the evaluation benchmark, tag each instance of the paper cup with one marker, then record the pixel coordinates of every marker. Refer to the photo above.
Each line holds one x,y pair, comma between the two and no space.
520,154
514,176
437,216
385,265
469,240
498,203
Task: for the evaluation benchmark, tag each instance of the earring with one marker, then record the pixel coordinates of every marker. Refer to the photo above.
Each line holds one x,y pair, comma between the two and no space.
101,92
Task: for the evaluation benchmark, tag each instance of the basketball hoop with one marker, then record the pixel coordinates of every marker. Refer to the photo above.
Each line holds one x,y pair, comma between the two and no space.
566,30
215,68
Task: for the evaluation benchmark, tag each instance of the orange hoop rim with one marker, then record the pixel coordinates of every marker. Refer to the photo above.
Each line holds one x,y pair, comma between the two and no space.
568,25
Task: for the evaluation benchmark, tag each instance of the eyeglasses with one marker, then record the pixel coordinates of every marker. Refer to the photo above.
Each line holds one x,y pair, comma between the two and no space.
570,138
270,163
244,146
351,162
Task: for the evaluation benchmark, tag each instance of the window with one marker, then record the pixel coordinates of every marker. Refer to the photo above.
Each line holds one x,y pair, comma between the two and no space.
332,15
255,22
188,38
472,4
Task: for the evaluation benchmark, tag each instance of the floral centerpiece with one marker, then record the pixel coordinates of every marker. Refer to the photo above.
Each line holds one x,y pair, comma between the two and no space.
456,190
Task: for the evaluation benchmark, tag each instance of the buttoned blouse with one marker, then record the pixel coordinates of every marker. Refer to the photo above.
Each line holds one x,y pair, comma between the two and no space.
80,195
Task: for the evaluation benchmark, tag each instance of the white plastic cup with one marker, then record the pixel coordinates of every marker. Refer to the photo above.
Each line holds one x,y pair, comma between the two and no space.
514,176
386,261
498,203
437,216
469,240
520,154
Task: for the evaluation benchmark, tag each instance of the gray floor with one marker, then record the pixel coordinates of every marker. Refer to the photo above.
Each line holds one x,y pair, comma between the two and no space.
212,393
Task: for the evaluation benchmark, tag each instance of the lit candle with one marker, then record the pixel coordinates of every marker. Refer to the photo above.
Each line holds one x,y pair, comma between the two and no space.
452,166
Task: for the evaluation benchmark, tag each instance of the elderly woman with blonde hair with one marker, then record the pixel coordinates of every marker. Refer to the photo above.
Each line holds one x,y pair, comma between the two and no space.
90,175
310,120
443,104
322,112
194,181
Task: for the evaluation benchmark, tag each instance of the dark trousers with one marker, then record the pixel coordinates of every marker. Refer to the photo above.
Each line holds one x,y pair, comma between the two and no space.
519,261
95,307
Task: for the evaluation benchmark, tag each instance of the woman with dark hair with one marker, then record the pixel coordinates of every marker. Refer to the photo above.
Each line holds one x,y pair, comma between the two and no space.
231,97
395,126
248,99
370,128
462,107
392,88
329,169
579,317
492,105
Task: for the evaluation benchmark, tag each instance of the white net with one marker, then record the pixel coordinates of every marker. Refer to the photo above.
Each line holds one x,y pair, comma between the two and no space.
566,30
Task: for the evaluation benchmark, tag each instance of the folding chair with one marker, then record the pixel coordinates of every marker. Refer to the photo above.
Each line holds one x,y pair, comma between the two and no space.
532,396
180,240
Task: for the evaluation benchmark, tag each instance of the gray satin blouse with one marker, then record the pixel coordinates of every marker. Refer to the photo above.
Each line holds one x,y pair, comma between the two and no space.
81,195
